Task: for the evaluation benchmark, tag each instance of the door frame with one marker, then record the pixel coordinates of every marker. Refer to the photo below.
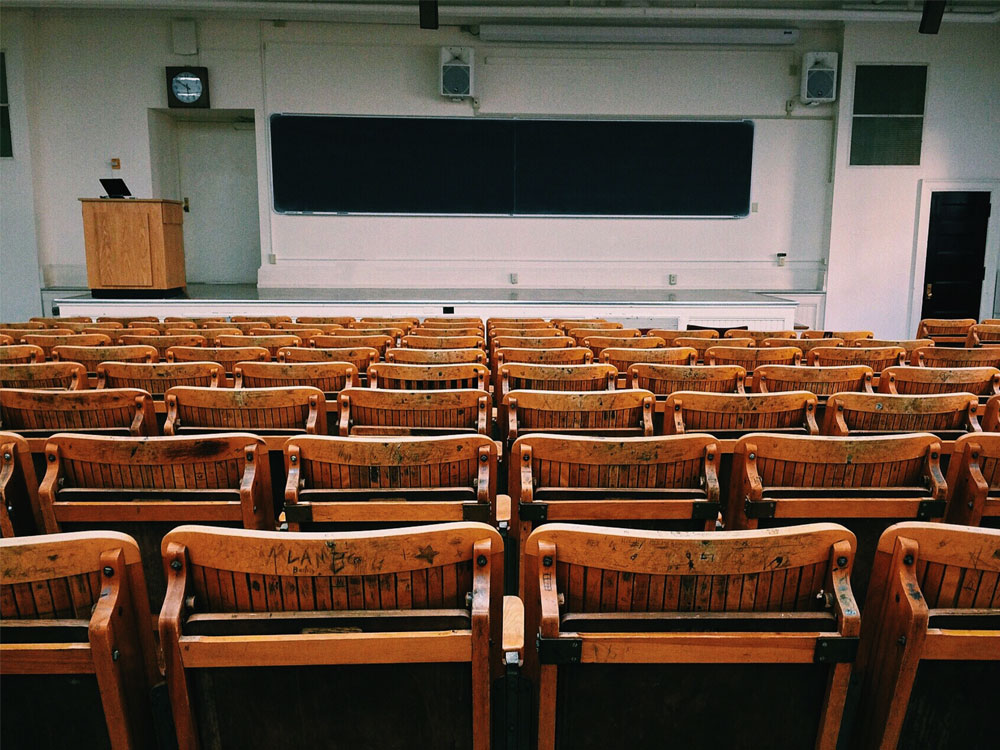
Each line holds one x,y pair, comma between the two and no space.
925,189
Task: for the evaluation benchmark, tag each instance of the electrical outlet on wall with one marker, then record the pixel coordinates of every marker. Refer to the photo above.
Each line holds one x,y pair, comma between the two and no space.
672,279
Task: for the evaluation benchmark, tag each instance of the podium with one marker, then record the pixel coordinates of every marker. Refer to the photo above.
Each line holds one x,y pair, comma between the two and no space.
135,247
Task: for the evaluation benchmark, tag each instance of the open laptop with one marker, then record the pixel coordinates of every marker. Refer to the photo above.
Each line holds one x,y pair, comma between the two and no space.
115,188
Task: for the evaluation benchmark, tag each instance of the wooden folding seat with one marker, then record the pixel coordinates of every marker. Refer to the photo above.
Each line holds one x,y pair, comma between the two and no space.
929,653
991,321
116,334
983,335
702,345
731,415
278,411
579,334
210,335
622,358
54,322
378,343
91,356
92,327
443,342
222,355
570,355
319,327
522,322
803,345
698,639
946,356
875,357
533,331
910,345
6,340
757,336
31,325
435,356
304,334
271,343
269,319
820,381
991,415
185,325
114,411
947,415
329,377
456,331
58,376
163,343
21,354
18,334
156,378
663,380
670,335
599,413
48,342
343,320
368,411
974,481
388,320
530,342
77,655
19,511
845,335
354,625
567,323
750,358
382,480
454,321
980,381
132,319
520,376
209,322
407,377
361,357
245,326
945,331
371,329
146,486
598,344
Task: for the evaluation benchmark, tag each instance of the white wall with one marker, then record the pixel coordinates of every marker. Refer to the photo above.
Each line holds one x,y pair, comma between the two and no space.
873,234
19,278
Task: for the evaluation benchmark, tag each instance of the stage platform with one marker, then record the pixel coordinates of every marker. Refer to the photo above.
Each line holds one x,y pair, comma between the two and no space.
644,308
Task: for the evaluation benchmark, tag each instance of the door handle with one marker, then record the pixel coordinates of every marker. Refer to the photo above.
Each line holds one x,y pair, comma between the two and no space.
187,208
928,290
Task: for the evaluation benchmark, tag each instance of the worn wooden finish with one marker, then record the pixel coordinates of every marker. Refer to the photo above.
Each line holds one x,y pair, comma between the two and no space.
19,511
875,357
389,480
209,334
946,415
750,358
245,326
520,376
163,343
991,415
118,411
701,345
343,320
757,336
983,335
974,480
641,580
579,334
451,321
573,355
622,358
92,327
21,354
91,356
54,322
274,411
371,329
530,342
435,356
406,323
945,331
821,381
378,343
407,377
329,377
208,322
735,414
910,345
804,345
538,331
156,378
271,320
569,323
443,342
597,344
448,331
367,411
492,323
946,356
18,334
225,356
613,413
62,584
162,328
362,357
29,325
980,381
116,334
374,578
6,340
921,573
60,376
48,342
304,334
845,335
271,343
319,328
665,379
671,336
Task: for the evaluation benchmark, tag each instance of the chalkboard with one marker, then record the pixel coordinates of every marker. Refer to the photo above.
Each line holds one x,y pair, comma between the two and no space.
423,165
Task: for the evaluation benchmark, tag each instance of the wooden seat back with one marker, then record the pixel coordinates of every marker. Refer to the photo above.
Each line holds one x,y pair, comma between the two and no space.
360,357
389,480
91,356
98,327
982,334
21,354
991,415
206,322
369,411
974,480
19,511
59,376
343,320
18,334
443,342
611,413
263,411
630,620
671,336
623,358
757,336
568,324
946,356
947,415
30,325
910,345
304,334
702,345
597,344
378,343
271,343
271,320
944,330
448,331
875,357
48,342
727,415
527,330
821,381
6,340
329,377
980,381
665,379
750,358
454,321
156,378
579,334
530,342
225,356
404,377
571,355
50,322
114,411
520,376
319,328
844,335
435,356
934,639
804,345
76,636
116,334
371,329
245,326
399,321
164,327
165,342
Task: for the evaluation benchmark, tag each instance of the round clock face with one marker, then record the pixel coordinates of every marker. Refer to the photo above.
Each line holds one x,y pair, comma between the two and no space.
187,87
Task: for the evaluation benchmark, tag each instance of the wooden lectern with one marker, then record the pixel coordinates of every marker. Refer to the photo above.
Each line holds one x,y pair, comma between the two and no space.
135,247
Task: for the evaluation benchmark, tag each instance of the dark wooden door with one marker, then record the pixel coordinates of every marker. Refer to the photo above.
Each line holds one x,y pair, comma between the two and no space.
956,254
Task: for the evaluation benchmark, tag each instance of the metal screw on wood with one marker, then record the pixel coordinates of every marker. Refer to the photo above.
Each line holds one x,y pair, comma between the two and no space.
483,458
293,459
109,571
175,564
481,561
752,456
902,640
842,561
547,561
115,654
6,457
908,560
52,457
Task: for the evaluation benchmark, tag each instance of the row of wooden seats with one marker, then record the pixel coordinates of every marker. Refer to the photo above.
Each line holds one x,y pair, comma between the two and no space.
615,622
960,331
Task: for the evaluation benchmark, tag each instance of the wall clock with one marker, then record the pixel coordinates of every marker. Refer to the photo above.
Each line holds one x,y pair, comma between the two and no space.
187,86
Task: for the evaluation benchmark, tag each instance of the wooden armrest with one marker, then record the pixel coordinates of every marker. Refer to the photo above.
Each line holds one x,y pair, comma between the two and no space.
503,508
513,625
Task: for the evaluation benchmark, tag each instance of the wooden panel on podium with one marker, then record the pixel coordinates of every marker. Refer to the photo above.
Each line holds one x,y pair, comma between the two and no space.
134,246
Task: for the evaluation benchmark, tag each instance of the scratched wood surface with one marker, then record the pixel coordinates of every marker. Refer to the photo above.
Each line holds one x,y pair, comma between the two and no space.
118,411
599,343
156,378
188,325
378,343
522,376
53,322
360,357
538,330
422,377
405,324
443,342
734,414
271,343
980,381
945,414
701,345
974,480
99,327
983,335
28,325
757,336
280,410
945,328
385,412
453,320
18,334
875,357
804,344
165,342
329,377
665,379
21,354
269,319
48,342
569,324
671,336
343,320
435,356
623,358
845,335
6,340
991,415
245,326
318,328
60,376
910,345
821,381
620,413
947,356
91,356
751,358
568,355
449,331
19,510
225,356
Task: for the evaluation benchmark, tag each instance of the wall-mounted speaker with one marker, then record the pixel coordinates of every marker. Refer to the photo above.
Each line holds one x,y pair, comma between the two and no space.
456,72
819,77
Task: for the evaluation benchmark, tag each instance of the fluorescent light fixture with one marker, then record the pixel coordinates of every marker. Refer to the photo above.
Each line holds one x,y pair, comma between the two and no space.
635,34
